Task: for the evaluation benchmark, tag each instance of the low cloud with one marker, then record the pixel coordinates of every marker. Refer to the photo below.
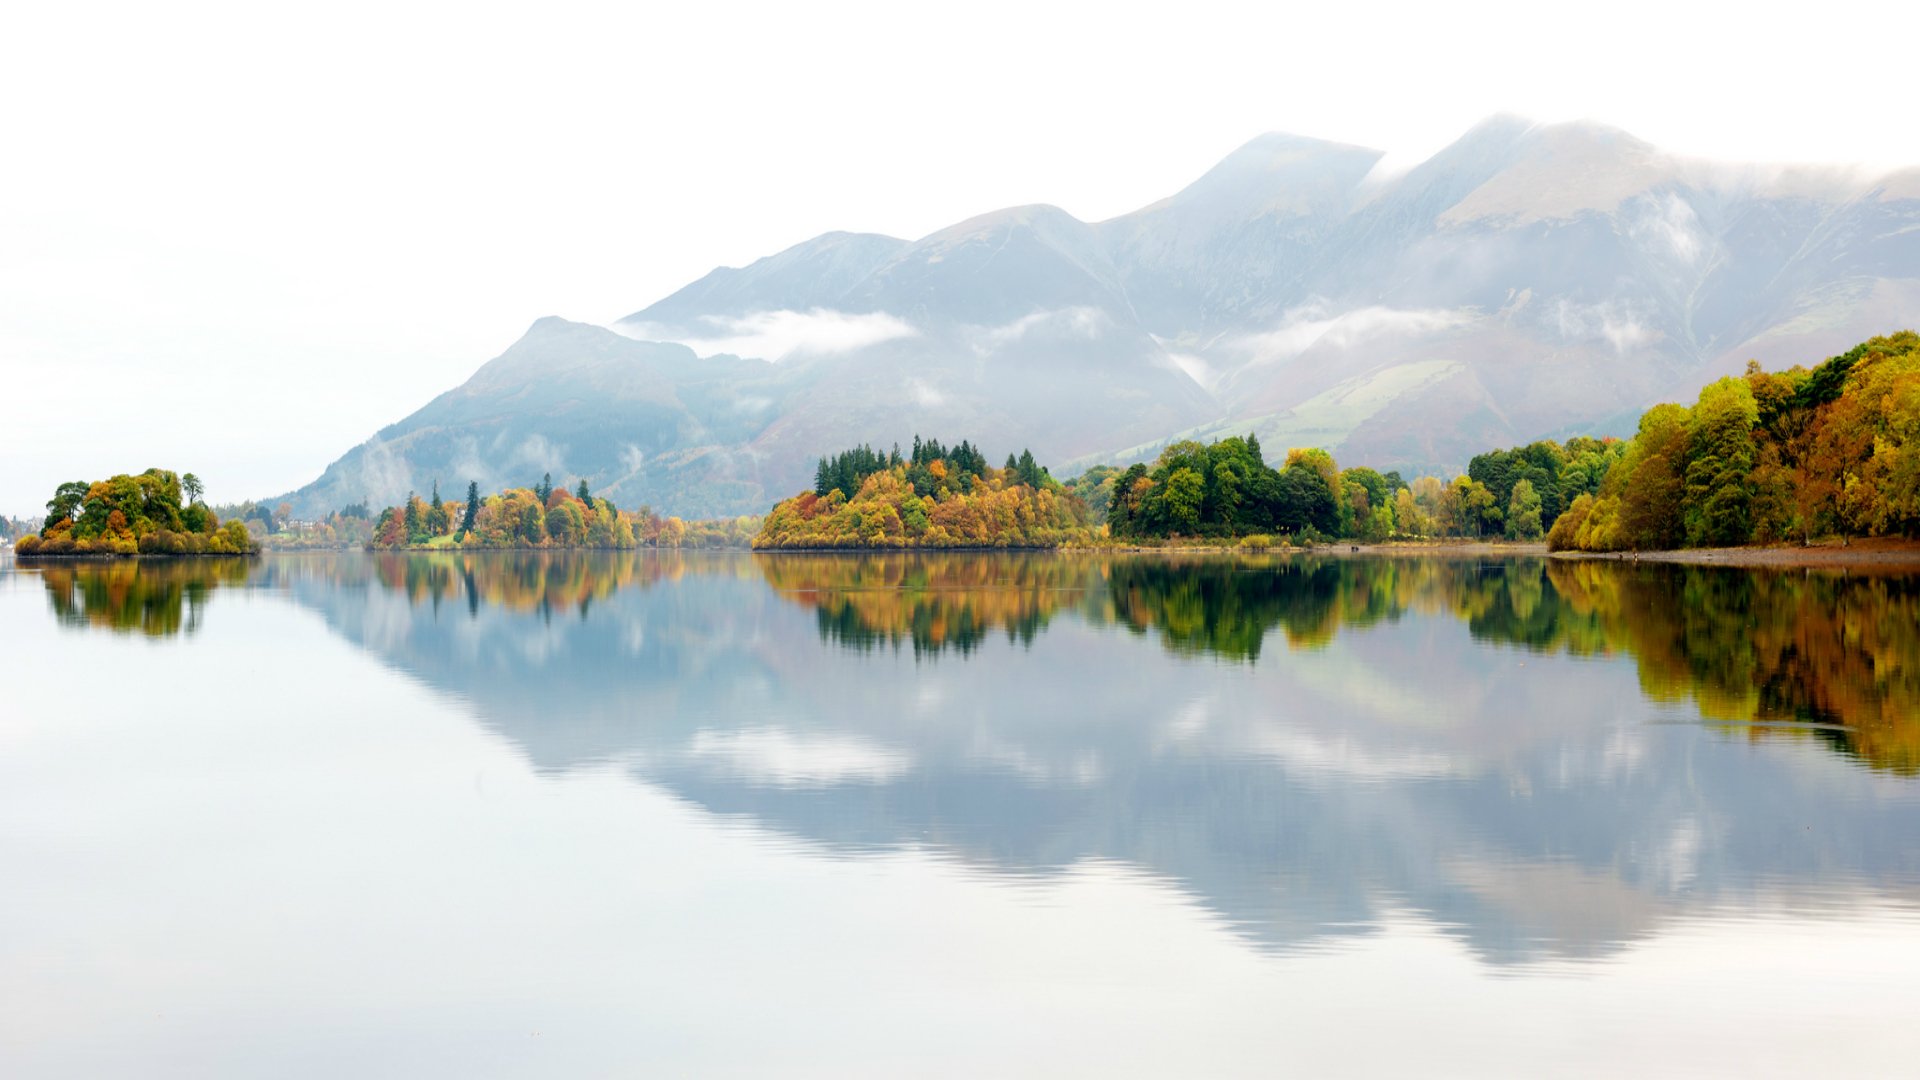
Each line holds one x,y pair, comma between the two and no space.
1613,322
924,395
1085,323
538,452
1315,324
384,476
1669,225
1192,366
632,458
777,335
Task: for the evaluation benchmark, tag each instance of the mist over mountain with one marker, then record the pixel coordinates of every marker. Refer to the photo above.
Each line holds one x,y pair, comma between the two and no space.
1528,280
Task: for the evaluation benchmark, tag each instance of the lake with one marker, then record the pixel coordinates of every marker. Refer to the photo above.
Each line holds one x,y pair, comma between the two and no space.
727,814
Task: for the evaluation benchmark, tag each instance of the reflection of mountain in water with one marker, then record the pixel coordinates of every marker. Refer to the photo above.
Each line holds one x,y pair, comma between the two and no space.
1385,761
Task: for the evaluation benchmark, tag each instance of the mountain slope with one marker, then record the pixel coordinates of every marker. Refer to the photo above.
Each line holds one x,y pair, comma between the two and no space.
1528,279
641,421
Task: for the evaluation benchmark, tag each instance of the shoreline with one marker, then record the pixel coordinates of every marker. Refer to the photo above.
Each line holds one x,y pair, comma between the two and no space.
1882,552
115,556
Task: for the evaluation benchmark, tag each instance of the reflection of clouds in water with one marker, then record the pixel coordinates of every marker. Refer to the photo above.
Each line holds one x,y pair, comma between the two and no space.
1345,679
1190,722
783,758
1626,748
541,642
1440,747
1081,768
386,620
1317,758
1673,865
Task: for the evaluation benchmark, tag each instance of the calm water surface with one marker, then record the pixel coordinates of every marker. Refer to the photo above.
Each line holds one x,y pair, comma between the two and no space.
956,815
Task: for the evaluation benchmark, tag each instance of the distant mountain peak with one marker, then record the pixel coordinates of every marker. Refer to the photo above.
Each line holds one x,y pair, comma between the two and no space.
1528,278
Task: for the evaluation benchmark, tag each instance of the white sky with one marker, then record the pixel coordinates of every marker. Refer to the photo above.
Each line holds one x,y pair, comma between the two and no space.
237,240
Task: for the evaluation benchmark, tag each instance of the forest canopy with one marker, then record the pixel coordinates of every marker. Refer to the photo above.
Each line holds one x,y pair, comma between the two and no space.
935,497
1768,457
157,512
1226,489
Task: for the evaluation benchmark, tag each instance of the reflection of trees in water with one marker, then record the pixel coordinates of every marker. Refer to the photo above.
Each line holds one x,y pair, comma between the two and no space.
1833,656
570,581
931,601
1226,608
158,598
1837,655
1760,648
523,581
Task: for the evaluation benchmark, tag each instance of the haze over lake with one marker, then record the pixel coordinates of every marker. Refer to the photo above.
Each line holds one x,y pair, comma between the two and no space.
562,814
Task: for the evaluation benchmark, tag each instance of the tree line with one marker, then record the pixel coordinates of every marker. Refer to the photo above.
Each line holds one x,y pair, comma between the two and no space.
1768,457
1227,489
543,516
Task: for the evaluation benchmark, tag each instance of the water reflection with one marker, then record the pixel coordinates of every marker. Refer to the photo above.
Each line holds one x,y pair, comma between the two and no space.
1832,656
935,602
157,598
1837,652
1304,745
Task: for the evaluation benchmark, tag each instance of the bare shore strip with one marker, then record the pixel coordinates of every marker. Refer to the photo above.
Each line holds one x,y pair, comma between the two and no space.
1884,552
1881,552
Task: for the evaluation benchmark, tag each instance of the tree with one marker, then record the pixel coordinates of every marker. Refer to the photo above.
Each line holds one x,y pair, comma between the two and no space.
581,492
1719,470
1185,491
192,486
66,502
1305,502
473,506
566,524
1523,512
1123,507
1029,470
1648,481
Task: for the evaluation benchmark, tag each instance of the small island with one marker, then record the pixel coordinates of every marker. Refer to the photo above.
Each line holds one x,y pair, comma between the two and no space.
157,512
935,497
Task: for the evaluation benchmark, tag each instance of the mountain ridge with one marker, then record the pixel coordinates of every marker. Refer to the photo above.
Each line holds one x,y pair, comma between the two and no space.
1527,278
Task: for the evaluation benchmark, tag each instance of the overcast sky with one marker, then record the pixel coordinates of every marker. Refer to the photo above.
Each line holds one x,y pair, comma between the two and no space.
238,239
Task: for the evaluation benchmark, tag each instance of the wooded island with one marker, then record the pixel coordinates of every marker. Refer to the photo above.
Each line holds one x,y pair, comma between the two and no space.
134,515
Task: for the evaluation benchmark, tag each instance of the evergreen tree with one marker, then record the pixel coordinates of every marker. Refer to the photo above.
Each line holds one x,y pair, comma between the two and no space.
1029,470
473,506
581,492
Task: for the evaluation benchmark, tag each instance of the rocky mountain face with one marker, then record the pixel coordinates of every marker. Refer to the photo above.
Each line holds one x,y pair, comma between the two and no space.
1527,280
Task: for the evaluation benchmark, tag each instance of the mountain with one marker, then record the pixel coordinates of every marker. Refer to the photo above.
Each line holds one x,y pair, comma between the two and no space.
655,419
1528,280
